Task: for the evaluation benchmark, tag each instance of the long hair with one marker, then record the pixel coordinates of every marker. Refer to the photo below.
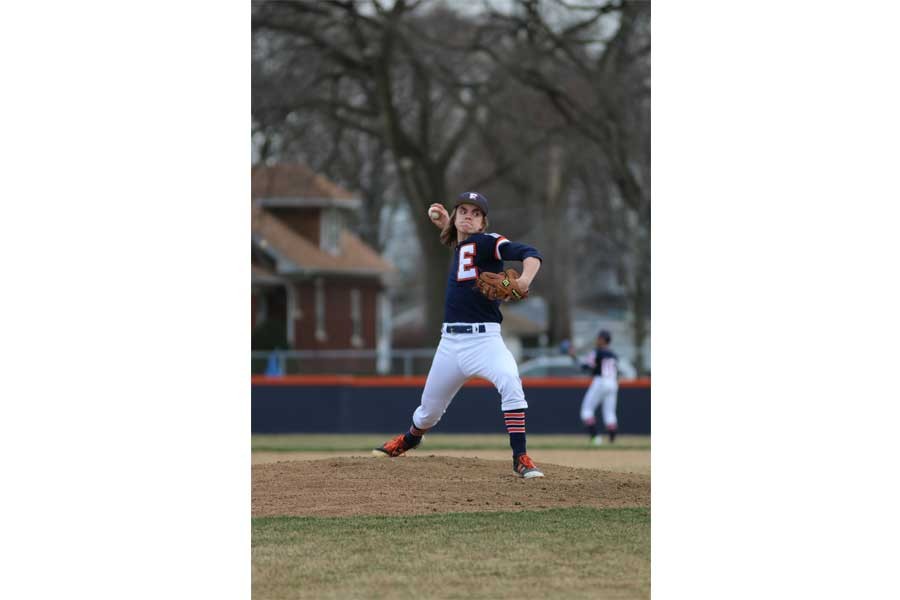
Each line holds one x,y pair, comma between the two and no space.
448,233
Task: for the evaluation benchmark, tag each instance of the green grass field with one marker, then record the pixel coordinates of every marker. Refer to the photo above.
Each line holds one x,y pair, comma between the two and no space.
436,441
576,552
564,553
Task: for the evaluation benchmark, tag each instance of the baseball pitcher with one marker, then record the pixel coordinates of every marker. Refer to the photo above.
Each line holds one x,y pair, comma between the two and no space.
470,344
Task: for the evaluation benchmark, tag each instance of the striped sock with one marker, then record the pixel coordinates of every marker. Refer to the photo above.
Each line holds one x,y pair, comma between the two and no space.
413,436
515,426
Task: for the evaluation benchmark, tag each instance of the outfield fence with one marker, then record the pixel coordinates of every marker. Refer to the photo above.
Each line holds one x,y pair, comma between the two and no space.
380,404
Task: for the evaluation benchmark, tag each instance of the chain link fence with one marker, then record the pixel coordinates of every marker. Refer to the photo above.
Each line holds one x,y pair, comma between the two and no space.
401,361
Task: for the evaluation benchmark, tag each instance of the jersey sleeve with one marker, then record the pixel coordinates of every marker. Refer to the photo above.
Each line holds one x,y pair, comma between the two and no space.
503,249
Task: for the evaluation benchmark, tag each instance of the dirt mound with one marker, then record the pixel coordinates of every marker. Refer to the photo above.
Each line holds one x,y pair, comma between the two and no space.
416,485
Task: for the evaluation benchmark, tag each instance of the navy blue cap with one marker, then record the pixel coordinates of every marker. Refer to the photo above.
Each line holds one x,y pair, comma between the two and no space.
605,335
473,198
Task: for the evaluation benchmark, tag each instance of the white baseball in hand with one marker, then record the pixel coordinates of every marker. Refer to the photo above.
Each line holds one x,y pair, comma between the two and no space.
435,214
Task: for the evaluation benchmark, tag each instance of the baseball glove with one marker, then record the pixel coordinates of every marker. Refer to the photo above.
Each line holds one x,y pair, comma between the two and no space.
501,286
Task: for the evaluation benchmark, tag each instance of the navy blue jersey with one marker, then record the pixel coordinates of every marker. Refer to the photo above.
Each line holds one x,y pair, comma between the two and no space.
478,253
604,363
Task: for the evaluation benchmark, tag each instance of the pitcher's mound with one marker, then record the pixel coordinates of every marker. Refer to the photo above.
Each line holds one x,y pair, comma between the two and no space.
417,485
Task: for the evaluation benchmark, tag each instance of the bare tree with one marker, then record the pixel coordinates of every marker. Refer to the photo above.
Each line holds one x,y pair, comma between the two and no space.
411,99
591,61
376,70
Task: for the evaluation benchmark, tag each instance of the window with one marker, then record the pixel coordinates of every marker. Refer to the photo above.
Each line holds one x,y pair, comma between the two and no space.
356,318
320,310
330,231
293,311
383,333
262,307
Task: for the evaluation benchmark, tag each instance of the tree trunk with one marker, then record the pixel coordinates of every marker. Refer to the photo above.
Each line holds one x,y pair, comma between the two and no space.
437,258
558,254
639,329
421,191
639,298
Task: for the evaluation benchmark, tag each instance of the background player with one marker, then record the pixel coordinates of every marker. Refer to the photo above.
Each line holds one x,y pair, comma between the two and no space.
470,344
603,389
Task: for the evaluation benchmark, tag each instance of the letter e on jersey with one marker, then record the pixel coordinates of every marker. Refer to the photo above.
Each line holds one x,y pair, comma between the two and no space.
467,269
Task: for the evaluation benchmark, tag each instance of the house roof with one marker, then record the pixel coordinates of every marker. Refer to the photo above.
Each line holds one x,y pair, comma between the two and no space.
295,184
297,254
262,276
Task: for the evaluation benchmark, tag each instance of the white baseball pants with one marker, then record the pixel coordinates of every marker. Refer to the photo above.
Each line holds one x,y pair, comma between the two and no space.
461,356
602,390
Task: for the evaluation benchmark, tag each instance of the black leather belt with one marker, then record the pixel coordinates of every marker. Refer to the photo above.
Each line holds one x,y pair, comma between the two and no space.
464,329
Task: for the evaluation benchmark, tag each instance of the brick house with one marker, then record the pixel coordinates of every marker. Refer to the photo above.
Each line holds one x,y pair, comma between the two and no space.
313,280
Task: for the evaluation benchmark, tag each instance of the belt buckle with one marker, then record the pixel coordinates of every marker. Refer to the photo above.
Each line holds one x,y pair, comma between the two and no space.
466,328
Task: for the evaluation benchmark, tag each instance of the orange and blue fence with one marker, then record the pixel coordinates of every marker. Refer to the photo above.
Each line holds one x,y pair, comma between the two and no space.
380,404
